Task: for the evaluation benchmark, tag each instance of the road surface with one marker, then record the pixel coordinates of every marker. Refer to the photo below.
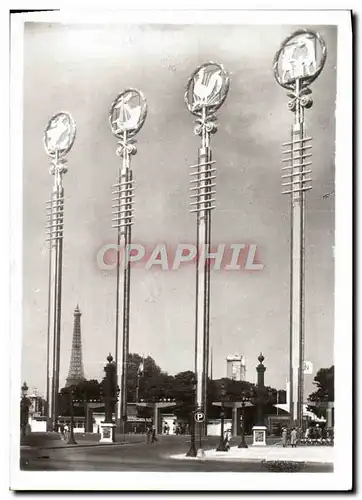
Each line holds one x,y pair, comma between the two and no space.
139,456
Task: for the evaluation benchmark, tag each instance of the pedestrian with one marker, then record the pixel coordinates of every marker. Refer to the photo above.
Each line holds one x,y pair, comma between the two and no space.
284,437
66,431
293,438
153,437
148,434
62,436
227,439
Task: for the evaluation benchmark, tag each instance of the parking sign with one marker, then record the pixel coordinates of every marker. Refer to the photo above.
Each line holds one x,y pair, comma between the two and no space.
199,417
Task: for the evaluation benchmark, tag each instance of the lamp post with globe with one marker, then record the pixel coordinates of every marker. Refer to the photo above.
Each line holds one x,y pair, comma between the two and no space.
24,409
222,393
245,398
297,63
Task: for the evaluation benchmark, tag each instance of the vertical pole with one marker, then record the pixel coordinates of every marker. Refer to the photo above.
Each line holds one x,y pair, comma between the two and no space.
211,365
155,417
242,443
54,309
118,406
123,213
55,227
235,421
126,176
58,311
71,439
203,275
137,387
297,263
49,334
298,183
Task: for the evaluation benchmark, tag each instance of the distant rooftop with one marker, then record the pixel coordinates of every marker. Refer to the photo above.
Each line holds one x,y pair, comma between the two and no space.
233,357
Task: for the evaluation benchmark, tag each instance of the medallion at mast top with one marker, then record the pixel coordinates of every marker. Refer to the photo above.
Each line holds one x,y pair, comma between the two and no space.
301,57
297,64
126,117
207,88
206,91
128,113
59,136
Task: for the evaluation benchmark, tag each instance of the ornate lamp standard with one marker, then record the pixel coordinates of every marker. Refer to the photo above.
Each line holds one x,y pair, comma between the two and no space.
206,91
245,398
259,430
110,392
222,392
58,139
297,64
24,408
126,117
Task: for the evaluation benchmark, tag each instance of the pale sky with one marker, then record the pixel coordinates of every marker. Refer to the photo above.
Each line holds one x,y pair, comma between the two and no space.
81,69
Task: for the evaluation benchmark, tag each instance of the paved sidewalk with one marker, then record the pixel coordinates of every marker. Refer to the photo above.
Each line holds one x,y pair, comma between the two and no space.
310,454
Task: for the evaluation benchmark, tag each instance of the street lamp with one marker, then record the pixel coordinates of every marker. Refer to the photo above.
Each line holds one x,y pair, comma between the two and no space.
24,409
140,369
71,439
24,390
244,399
206,90
59,136
222,392
126,117
297,64
192,451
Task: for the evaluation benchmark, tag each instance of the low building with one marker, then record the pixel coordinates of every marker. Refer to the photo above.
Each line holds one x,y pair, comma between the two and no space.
236,367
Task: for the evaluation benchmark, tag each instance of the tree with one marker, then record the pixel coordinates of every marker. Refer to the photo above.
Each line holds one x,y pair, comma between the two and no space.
85,391
153,382
324,382
183,391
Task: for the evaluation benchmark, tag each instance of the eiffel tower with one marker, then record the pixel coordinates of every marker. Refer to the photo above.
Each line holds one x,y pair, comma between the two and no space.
76,371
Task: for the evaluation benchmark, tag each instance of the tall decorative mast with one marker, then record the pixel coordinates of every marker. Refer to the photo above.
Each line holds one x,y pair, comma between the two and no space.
206,91
126,117
58,139
297,64
76,370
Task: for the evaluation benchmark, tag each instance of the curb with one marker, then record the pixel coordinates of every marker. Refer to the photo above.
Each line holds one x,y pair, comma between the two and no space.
26,447
248,460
